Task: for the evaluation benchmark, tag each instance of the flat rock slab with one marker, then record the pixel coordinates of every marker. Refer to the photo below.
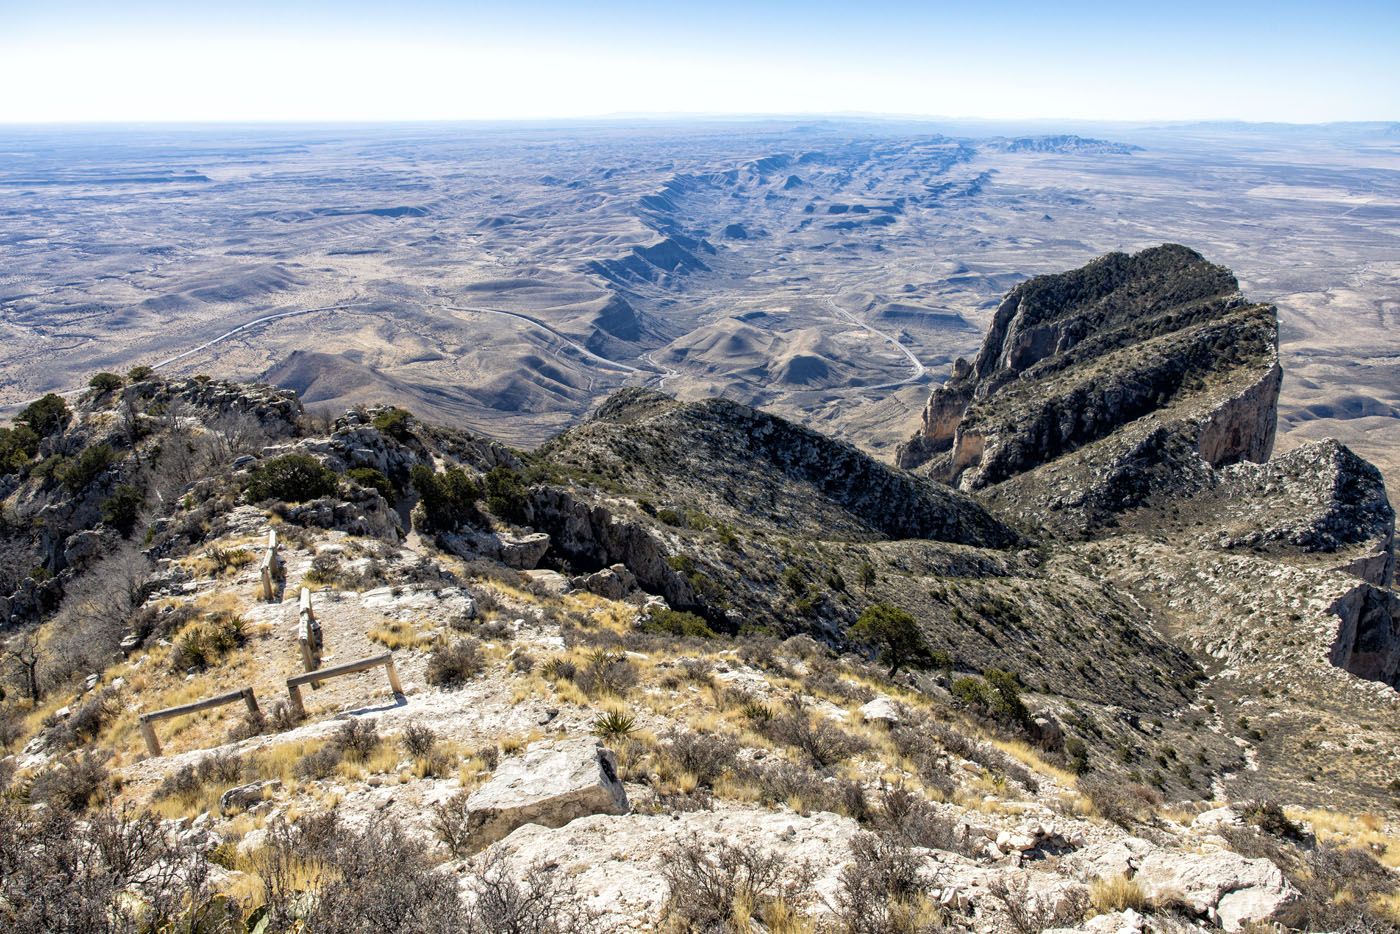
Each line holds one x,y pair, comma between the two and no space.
551,784
1226,887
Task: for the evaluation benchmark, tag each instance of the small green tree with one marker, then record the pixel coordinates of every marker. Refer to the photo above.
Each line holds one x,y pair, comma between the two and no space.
123,508
448,498
372,479
895,633
139,374
395,422
18,445
45,416
103,383
291,477
505,494
80,471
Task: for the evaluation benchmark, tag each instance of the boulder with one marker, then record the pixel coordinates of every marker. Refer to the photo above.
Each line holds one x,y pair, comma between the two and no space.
551,784
612,583
1225,887
522,552
245,796
880,710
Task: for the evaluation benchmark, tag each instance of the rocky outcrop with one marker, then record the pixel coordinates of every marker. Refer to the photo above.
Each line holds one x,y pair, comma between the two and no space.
1368,638
522,551
748,467
1072,359
550,784
1227,888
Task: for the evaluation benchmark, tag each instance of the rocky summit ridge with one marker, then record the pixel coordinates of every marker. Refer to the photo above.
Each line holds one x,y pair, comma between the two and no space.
1087,659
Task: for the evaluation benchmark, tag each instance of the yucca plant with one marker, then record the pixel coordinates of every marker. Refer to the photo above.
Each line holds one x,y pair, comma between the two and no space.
614,725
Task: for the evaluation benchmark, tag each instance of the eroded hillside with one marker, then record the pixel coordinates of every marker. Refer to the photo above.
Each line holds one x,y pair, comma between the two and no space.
689,666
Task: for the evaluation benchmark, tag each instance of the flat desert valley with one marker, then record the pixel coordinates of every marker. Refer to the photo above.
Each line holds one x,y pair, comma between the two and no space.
507,278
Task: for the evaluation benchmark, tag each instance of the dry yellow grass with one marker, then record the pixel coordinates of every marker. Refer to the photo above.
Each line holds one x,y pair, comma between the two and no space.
400,634
1369,832
1117,894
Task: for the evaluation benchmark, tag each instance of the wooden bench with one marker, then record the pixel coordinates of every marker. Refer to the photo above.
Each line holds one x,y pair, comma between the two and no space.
335,671
147,720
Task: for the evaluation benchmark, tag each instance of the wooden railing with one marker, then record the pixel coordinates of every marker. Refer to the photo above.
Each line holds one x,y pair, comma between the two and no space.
147,720
335,671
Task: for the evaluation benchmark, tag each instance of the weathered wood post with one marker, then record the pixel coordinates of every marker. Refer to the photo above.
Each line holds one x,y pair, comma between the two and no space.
309,634
148,733
271,566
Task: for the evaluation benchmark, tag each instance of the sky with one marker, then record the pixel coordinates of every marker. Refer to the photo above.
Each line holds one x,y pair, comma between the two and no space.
254,60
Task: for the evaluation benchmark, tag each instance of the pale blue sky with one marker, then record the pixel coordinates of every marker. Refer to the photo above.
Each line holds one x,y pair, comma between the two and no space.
417,59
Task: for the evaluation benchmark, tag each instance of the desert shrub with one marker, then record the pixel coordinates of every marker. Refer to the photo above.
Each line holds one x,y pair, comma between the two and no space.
78,472
294,478
913,820
895,633
1269,817
73,782
357,738
1339,887
395,422
496,630
676,623
716,886
606,674
448,499
140,373
540,900
823,742
372,479
418,740
454,663
324,876
186,784
282,718
1024,913
319,763
228,559
46,416
997,696
522,662
1123,803
560,669
122,509
881,891
103,383
11,727
451,825
706,756
1076,755
117,873
204,644
804,789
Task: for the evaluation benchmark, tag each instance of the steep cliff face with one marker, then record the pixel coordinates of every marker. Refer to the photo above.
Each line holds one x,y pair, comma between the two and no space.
1071,359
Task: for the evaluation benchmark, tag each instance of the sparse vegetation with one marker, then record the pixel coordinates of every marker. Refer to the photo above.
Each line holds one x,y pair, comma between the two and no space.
454,663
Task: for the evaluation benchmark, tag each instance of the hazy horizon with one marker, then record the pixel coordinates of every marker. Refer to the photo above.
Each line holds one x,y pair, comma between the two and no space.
426,61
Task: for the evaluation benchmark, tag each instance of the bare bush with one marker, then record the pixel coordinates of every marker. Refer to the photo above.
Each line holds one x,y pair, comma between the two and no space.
418,740
73,782
880,891
117,874
607,674
709,886
357,738
914,821
375,880
822,741
706,756
450,824
454,663
542,901
1024,913
1123,803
